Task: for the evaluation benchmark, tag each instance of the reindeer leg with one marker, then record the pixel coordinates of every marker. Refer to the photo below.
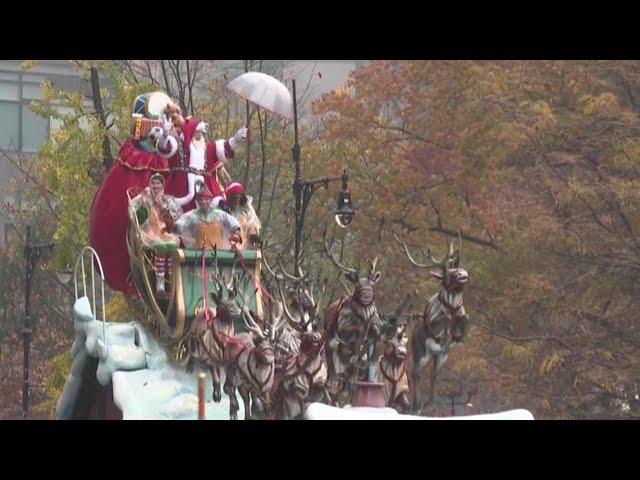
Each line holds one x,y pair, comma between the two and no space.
244,393
258,410
403,402
288,407
190,364
215,377
438,361
230,390
420,363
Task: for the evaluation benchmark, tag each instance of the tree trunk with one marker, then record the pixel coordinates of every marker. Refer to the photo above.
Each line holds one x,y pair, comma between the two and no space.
97,104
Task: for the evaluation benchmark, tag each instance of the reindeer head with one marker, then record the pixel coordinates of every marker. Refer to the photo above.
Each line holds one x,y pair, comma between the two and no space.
311,342
363,286
453,277
300,290
395,346
263,338
363,292
447,270
298,287
227,308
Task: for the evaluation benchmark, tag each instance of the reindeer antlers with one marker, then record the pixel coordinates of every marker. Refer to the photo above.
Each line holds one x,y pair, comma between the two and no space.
292,277
336,263
269,269
434,262
284,307
251,324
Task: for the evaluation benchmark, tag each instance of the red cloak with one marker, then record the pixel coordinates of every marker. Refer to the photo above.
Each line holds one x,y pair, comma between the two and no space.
109,216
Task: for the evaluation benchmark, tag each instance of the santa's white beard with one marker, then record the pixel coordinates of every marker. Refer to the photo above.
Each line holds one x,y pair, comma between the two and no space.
197,150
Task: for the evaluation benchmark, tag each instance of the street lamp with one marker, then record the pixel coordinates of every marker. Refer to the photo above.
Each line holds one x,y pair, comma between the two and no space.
32,254
303,190
344,213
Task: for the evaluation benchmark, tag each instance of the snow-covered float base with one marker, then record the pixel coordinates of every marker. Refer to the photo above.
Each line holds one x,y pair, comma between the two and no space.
146,386
320,411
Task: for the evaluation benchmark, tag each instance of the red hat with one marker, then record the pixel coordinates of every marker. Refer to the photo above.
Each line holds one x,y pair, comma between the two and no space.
203,191
233,188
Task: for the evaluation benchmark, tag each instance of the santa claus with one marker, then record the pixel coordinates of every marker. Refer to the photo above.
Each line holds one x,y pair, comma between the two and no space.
198,159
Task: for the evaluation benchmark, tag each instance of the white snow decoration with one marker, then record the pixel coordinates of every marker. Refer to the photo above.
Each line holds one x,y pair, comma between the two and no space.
320,411
181,407
82,310
145,384
116,352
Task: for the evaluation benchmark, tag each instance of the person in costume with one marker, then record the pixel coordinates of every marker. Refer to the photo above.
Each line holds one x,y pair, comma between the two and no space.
241,207
198,160
207,226
161,213
146,153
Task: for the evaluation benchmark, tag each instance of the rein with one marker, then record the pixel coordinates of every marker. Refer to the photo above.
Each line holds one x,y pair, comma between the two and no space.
257,283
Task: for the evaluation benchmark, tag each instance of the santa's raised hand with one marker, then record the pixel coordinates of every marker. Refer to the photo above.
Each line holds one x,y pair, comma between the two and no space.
167,124
240,135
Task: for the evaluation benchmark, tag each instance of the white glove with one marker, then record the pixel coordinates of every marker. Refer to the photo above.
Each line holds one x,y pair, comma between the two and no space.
238,137
155,134
167,125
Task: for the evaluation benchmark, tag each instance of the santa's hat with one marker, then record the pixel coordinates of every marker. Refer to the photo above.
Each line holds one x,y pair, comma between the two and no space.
203,191
202,127
233,188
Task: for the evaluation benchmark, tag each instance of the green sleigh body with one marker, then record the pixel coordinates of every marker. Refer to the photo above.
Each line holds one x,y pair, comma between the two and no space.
171,315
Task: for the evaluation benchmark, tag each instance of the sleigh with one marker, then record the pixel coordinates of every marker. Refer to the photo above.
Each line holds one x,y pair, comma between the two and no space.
193,273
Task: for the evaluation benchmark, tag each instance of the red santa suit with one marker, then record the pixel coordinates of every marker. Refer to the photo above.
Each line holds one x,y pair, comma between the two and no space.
109,212
196,162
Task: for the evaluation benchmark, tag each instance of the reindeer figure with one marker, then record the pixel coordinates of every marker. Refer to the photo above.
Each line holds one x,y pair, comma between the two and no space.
250,368
443,323
353,328
302,306
392,371
304,376
208,339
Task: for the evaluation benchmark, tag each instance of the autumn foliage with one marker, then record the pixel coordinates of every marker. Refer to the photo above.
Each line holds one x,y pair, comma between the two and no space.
535,163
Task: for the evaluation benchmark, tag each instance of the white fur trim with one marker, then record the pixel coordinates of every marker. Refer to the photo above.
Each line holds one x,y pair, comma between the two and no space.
220,151
216,201
191,183
173,144
202,127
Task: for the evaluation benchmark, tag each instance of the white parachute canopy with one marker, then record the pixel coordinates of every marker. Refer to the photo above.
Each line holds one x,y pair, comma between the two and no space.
264,91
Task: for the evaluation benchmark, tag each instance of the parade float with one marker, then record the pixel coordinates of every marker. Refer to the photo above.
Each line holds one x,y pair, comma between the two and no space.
172,231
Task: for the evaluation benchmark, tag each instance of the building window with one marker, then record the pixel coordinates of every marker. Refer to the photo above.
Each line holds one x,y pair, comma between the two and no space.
9,122
21,129
35,130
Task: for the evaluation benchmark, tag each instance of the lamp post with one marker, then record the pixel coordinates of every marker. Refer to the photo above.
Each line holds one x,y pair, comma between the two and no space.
303,190
32,253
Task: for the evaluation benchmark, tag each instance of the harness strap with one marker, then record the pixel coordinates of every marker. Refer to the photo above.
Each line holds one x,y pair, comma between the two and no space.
253,378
